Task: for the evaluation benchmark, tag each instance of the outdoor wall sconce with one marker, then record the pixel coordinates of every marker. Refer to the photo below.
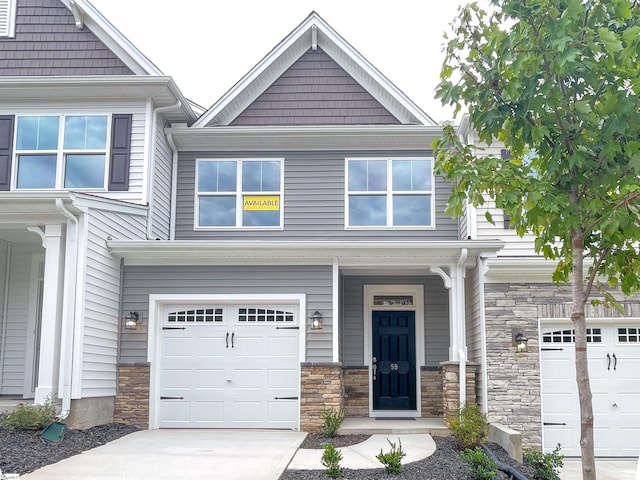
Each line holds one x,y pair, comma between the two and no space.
132,320
520,341
316,320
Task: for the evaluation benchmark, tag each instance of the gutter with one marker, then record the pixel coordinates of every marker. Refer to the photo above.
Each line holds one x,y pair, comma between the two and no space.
174,185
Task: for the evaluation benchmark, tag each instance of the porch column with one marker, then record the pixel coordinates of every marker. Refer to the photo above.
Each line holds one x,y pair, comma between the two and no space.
49,362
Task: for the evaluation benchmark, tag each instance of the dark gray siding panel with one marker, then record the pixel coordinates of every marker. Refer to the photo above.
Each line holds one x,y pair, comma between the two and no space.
314,199
436,310
315,90
314,281
6,150
47,42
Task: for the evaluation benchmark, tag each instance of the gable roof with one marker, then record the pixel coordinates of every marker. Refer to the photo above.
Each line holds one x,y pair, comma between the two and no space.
85,13
313,33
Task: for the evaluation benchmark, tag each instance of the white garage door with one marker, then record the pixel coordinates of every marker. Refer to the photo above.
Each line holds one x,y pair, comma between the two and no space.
230,366
614,366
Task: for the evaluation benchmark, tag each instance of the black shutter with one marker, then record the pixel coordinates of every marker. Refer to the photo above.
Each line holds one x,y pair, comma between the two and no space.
6,150
120,152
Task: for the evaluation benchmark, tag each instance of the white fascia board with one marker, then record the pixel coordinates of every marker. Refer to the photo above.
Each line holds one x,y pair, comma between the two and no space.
291,48
400,137
351,253
520,270
112,38
85,201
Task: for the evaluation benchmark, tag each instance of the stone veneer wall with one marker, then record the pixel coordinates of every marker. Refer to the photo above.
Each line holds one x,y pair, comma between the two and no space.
432,398
321,387
132,400
451,386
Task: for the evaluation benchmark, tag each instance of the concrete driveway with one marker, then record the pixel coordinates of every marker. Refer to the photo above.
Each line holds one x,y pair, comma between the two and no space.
171,454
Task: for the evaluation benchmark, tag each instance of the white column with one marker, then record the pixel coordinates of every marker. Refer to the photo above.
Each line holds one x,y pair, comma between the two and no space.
49,363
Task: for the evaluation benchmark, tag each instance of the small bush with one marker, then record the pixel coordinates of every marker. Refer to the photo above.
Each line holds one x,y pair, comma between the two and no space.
392,460
470,428
482,466
332,421
331,460
31,416
546,465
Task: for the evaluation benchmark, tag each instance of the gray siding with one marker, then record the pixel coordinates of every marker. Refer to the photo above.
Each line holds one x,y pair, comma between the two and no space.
473,311
314,200
161,214
314,281
315,90
47,42
436,308
102,300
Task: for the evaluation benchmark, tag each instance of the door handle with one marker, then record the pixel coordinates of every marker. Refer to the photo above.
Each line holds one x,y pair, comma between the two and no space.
232,335
227,340
615,361
608,362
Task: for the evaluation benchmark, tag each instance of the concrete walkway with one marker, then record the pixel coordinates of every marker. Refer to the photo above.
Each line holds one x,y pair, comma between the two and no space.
363,455
605,469
189,454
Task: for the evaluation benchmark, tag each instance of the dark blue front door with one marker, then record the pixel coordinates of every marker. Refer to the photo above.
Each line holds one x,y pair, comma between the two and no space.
394,361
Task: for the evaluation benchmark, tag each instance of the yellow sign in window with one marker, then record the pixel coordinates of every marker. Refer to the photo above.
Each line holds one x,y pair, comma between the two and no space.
261,202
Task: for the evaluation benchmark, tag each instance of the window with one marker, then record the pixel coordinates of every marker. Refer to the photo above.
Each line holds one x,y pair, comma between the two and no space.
629,335
7,18
594,335
239,193
67,151
262,315
395,192
196,315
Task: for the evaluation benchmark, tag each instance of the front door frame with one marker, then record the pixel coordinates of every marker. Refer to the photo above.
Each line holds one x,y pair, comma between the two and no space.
417,292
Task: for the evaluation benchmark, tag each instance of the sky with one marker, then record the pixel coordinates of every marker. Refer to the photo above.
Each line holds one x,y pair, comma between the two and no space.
209,45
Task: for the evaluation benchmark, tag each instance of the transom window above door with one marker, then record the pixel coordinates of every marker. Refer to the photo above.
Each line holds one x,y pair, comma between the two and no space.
61,152
238,193
389,192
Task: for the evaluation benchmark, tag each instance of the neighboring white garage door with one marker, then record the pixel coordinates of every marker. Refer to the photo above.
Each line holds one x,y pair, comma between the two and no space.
230,366
614,366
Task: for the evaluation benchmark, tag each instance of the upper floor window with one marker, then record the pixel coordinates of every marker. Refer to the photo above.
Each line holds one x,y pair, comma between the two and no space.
239,193
7,18
393,192
67,151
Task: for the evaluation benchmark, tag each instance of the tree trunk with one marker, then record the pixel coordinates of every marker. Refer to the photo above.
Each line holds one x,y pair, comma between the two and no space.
578,318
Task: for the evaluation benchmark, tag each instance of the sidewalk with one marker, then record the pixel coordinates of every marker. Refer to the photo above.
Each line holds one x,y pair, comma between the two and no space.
624,469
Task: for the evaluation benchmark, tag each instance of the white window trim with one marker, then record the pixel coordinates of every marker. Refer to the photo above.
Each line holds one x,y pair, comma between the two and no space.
389,196
158,304
8,23
239,194
417,292
61,153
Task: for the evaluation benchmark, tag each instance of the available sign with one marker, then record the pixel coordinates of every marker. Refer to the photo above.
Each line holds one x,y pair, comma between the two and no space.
261,202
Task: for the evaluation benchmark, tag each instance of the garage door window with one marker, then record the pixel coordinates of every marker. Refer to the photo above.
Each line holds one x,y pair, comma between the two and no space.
629,335
594,335
264,315
198,315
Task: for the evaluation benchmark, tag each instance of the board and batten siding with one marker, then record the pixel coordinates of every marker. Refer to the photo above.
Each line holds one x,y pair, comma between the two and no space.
474,303
314,200
314,281
102,287
436,310
14,348
161,212
47,42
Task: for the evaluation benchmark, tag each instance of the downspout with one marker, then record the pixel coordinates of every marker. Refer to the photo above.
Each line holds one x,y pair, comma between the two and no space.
152,164
5,312
462,343
174,186
482,270
68,309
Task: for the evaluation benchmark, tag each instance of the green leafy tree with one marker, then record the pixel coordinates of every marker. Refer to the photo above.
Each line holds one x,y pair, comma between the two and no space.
558,83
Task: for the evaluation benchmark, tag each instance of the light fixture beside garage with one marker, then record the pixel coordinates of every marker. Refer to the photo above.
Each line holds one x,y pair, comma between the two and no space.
520,341
316,320
132,320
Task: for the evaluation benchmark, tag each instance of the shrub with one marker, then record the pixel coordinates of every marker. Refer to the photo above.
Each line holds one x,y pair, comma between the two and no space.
331,460
546,465
332,421
470,428
31,416
482,466
392,460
